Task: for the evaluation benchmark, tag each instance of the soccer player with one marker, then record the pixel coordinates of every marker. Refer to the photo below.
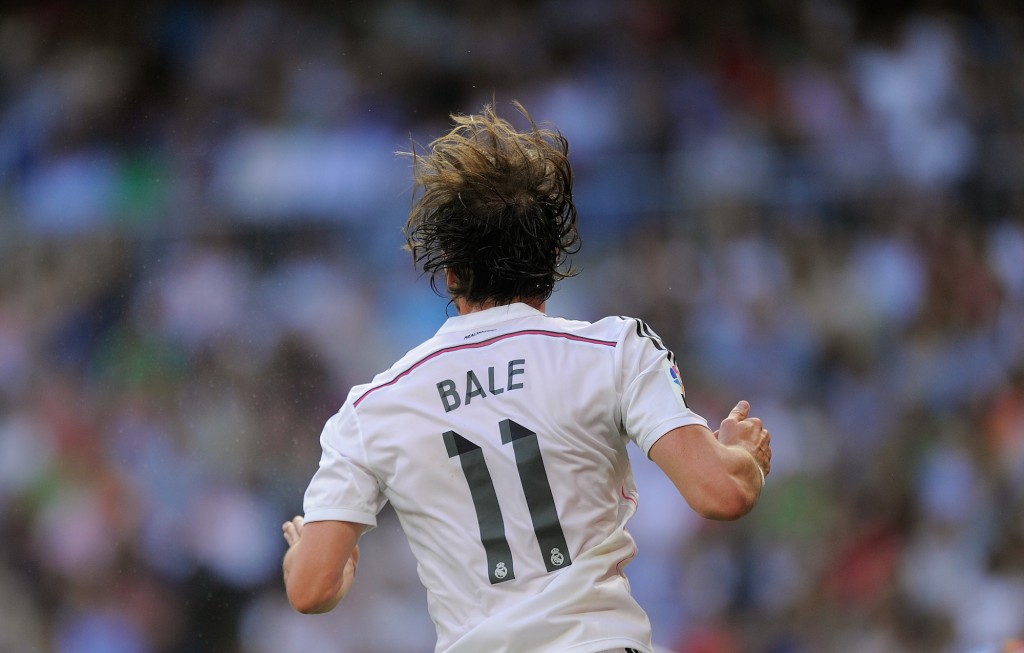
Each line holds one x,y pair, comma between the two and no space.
501,441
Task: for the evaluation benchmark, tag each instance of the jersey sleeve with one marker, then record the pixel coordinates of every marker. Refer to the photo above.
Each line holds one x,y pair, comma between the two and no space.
653,400
343,488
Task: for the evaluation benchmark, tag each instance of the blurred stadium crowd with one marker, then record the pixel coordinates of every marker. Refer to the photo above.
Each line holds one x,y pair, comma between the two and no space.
818,204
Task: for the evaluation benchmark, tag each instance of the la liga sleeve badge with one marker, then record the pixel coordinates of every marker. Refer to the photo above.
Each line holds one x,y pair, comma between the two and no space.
677,380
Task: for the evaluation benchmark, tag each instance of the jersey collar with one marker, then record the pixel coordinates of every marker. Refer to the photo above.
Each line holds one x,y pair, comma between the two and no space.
488,317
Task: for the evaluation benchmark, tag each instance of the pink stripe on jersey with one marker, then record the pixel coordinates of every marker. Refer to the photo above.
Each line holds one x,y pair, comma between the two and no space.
484,343
632,554
622,563
622,491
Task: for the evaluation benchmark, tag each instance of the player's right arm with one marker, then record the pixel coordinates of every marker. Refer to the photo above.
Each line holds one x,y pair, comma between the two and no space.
720,475
320,563
340,504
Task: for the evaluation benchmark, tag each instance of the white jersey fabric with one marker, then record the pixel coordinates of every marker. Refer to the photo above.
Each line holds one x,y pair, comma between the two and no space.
501,443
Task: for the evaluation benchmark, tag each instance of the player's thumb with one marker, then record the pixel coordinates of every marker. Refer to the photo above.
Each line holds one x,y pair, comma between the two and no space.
739,413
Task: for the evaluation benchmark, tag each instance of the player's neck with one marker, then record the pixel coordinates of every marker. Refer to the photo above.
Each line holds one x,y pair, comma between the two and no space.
464,307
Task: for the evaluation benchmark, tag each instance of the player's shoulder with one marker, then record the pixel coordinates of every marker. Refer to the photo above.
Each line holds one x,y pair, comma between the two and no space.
397,369
600,330
622,327
622,332
613,327
636,335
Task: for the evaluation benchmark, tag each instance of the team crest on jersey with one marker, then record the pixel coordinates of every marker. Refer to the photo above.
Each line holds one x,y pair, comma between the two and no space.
500,570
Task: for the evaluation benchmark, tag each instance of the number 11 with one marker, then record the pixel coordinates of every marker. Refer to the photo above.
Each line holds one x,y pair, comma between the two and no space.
536,488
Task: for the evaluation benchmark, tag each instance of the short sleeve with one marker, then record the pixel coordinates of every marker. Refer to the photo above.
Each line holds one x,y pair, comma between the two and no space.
343,488
653,399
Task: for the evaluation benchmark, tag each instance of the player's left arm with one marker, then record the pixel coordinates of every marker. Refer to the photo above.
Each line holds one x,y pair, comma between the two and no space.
320,563
719,474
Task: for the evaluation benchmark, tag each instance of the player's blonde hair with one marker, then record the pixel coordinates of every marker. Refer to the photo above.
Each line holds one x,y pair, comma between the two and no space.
496,208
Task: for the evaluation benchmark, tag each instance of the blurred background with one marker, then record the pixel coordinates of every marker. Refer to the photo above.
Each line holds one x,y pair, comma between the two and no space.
818,204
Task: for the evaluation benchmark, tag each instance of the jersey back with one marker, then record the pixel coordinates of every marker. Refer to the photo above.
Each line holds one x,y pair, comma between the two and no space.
500,442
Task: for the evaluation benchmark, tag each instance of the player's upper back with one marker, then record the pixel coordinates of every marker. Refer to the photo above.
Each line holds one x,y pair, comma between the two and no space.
501,444
512,362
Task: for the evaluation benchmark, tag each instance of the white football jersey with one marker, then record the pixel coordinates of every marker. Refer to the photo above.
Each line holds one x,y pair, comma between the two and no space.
501,444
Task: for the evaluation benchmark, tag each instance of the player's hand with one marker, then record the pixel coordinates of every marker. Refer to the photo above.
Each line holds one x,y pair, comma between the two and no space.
292,530
738,429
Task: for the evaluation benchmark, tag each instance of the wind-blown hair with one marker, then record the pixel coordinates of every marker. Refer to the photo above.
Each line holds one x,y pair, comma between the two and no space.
496,208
